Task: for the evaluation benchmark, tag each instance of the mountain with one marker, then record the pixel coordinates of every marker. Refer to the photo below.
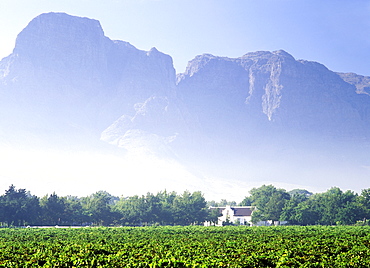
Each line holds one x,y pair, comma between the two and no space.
273,90
294,119
65,74
262,117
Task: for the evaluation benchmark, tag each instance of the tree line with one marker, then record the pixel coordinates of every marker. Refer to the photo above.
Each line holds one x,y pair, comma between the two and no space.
298,207
301,207
19,208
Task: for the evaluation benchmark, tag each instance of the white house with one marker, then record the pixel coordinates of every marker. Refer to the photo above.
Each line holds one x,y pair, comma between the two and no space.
239,215
234,214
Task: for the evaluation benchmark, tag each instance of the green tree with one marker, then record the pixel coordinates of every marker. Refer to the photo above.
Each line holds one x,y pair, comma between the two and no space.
131,210
152,208
189,208
74,212
331,207
246,201
350,210
364,201
33,210
290,211
222,203
18,207
98,207
167,214
306,213
269,202
300,192
213,215
53,209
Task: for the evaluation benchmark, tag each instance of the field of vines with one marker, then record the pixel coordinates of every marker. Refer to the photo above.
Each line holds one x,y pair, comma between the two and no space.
193,246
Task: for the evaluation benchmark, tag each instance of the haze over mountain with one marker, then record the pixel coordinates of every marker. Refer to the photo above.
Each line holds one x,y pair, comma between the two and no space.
223,126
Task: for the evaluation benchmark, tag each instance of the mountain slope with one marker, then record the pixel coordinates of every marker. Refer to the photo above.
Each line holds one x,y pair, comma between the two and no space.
65,74
271,90
264,116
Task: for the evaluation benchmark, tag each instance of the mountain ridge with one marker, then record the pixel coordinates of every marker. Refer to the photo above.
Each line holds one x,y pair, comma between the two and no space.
84,68
66,82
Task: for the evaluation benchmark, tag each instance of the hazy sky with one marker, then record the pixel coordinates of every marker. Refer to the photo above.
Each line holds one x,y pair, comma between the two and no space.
335,33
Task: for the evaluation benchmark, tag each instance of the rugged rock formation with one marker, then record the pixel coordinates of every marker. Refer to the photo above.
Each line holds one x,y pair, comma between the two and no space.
362,83
293,96
263,116
65,74
66,78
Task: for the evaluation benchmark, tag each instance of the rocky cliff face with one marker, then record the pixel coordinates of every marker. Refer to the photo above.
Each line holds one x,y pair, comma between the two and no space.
262,116
362,83
65,76
272,91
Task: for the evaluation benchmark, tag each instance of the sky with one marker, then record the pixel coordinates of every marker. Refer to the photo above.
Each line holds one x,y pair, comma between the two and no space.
335,33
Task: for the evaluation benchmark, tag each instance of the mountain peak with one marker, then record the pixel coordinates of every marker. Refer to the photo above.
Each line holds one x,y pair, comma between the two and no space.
283,53
42,29
66,82
153,50
267,55
52,37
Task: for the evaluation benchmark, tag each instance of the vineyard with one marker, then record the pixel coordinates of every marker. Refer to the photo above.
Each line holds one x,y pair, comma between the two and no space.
192,246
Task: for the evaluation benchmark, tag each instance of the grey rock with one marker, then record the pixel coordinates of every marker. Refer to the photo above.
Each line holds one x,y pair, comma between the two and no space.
67,82
294,95
65,76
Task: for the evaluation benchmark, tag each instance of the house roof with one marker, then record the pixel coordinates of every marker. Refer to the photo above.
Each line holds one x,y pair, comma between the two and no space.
238,211
242,211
